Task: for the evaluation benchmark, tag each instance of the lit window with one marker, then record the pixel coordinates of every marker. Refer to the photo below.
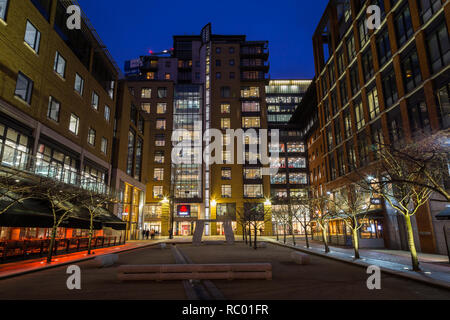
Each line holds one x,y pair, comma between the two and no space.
60,65
94,102
32,36
225,108
158,174
161,108
107,113
225,123
91,137
251,122
146,93
74,124
226,173
160,124
104,146
24,88
158,192
226,191
145,106
79,84
53,109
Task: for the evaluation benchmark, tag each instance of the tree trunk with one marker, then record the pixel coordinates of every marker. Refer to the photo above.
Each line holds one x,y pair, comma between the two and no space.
52,244
293,234
325,239
250,235
412,246
306,237
276,231
355,238
284,233
91,231
255,242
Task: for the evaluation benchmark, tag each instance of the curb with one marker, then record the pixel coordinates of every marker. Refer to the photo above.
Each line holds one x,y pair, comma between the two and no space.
20,273
431,282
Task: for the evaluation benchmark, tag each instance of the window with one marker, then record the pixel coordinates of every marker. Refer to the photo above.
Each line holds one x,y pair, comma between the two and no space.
418,114
411,70
351,51
343,91
94,102
225,92
74,124
130,155
3,8
218,50
295,147
250,92
383,47
167,76
330,138
79,84
363,33
367,63
363,149
226,173
104,145
60,65
251,122
439,48
231,62
444,105
428,8
218,63
347,124
218,75
279,178
160,124
225,123
226,191
159,157
354,79
160,141
24,88
91,137
161,108
158,174
372,100
341,63
337,131
225,108
32,36
146,93
297,163
145,106
403,26
107,113
231,50
251,106
359,114
158,192
252,174
53,109
162,93
298,178
253,191
389,88
226,156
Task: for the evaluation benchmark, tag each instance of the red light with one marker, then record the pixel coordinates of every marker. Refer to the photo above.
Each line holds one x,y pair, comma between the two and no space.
183,209
172,49
150,51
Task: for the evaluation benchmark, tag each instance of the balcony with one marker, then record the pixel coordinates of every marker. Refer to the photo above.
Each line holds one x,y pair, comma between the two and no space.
15,159
249,66
256,49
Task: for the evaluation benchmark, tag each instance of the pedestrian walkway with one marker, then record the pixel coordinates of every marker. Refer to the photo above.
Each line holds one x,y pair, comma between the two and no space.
26,266
434,268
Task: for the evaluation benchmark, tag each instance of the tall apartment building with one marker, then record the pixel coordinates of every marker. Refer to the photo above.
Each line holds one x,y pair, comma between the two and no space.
385,84
58,108
205,82
287,186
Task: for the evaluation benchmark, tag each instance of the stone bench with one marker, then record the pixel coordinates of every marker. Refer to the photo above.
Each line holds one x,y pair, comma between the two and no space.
300,258
241,271
105,260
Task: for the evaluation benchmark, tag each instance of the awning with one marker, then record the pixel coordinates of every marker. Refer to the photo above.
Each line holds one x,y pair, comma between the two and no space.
36,213
444,215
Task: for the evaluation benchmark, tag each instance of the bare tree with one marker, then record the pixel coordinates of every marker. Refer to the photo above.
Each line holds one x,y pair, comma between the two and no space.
281,217
405,188
59,197
318,206
13,190
302,215
351,205
256,215
95,202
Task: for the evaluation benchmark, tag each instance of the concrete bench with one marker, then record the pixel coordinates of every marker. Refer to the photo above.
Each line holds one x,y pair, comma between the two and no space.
105,260
250,271
163,245
300,258
262,245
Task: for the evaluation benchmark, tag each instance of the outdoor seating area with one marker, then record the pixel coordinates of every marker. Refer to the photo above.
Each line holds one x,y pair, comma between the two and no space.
25,249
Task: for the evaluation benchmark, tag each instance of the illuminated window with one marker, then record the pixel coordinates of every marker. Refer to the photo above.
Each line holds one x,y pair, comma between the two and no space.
94,101
146,93
225,123
158,174
24,88
158,192
60,65
161,108
161,124
225,108
104,145
32,36
74,124
251,122
53,109
226,191
226,173
79,84
145,106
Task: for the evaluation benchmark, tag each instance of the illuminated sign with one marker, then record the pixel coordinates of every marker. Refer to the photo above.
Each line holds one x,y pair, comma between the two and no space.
184,211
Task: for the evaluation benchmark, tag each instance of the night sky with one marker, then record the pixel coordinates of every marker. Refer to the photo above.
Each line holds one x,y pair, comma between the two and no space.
132,28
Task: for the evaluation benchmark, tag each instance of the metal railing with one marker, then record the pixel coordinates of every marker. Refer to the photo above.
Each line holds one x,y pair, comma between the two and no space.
27,249
19,160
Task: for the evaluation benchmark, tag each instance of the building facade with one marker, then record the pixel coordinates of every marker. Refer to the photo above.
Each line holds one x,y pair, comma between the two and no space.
58,100
382,85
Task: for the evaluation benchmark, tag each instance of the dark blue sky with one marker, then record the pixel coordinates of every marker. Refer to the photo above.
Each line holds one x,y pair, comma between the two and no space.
132,28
